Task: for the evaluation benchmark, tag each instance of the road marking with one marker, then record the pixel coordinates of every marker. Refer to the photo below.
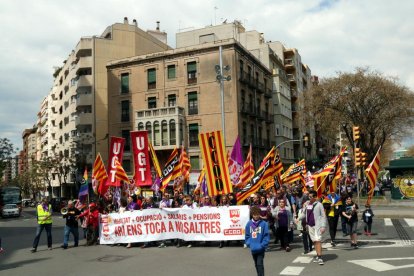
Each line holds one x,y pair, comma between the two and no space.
379,266
410,222
303,260
292,270
387,222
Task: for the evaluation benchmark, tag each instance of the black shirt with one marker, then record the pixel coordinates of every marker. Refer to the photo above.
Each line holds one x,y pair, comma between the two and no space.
71,217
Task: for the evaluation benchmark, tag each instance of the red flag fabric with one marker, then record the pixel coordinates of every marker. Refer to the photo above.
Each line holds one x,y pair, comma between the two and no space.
99,176
142,172
372,174
120,172
116,152
247,171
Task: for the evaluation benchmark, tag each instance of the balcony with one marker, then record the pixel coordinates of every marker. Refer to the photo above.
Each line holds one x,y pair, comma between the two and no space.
268,93
85,80
244,77
84,99
293,94
84,119
84,47
260,87
85,62
291,78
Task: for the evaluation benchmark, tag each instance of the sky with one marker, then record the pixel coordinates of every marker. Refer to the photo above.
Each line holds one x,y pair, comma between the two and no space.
331,36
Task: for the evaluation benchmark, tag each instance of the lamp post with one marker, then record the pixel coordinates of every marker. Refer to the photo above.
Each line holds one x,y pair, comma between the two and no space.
221,78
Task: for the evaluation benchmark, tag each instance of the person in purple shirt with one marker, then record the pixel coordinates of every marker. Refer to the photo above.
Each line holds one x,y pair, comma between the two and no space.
132,205
283,218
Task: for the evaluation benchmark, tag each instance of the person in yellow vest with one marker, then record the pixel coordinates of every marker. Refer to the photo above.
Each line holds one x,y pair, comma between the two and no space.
44,221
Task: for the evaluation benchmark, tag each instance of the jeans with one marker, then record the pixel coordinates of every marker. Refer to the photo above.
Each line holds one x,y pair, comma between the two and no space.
367,228
39,230
307,242
343,224
258,263
75,233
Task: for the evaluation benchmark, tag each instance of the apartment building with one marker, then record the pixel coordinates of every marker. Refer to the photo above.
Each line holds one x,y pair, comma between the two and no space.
283,90
175,95
73,121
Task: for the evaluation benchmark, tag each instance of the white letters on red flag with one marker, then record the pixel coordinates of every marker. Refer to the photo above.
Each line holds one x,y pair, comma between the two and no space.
199,224
116,151
142,175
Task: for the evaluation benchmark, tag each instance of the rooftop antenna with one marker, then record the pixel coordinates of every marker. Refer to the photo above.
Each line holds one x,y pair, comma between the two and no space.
215,19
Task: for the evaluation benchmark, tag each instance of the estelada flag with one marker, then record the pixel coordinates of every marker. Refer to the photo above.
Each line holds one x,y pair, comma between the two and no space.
215,163
99,176
172,165
264,174
372,174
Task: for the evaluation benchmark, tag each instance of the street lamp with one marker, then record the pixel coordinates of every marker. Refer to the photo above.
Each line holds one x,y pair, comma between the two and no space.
221,78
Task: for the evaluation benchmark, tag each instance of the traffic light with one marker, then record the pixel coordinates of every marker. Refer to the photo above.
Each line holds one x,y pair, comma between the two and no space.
306,141
363,159
357,156
356,133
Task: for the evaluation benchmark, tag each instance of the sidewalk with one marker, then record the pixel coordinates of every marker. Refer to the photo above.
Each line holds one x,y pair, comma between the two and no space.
385,207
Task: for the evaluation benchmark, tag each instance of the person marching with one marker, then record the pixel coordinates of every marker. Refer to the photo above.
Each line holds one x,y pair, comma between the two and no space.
257,239
44,221
333,206
92,215
316,224
71,225
367,216
350,212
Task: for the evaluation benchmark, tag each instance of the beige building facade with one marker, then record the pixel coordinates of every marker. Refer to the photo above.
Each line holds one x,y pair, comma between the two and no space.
175,95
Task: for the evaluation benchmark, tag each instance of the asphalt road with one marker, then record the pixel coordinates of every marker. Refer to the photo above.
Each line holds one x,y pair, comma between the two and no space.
389,251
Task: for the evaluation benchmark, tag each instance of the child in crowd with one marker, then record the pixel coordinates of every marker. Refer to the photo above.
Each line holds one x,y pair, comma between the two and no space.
257,238
367,216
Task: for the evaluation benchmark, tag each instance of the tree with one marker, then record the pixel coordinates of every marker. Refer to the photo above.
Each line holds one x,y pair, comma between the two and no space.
6,150
382,108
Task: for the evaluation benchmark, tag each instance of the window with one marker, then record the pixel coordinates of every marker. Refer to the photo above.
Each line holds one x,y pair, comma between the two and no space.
125,135
241,66
157,137
126,164
193,135
164,133
148,127
152,78
192,72
195,162
181,132
171,72
244,131
141,126
152,102
192,103
125,83
173,133
124,111
172,100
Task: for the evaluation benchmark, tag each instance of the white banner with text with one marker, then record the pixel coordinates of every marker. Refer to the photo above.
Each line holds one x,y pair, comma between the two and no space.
199,224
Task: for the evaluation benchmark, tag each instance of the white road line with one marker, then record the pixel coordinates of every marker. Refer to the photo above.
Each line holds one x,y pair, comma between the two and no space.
387,222
410,222
378,265
303,260
292,270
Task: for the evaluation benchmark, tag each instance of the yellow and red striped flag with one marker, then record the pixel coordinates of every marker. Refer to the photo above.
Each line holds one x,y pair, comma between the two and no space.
264,174
99,174
120,173
278,167
215,162
247,171
171,169
154,159
372,174
185,163
295,172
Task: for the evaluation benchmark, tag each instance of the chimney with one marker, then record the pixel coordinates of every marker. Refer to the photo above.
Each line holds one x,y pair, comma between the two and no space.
135,22
125,20
158,25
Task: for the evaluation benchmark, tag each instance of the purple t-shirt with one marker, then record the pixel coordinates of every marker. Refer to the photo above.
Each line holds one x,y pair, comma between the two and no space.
310,218
282,217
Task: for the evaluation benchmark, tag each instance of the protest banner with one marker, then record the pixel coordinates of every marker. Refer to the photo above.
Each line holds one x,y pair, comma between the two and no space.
199,224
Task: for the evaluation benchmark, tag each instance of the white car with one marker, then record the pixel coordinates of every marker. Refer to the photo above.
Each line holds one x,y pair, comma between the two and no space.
10,210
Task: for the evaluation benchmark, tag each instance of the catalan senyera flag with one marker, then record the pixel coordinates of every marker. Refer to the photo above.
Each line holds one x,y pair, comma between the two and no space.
247,171
327,176
372,173
215,162
295,172
120,173
154,159
185,163
264,174
99,175
170,168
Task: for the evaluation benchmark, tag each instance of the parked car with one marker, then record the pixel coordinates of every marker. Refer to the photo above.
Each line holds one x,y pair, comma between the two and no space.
10,210
26,202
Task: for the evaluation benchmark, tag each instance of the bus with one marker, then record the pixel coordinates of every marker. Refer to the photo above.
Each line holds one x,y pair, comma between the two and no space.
10,195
